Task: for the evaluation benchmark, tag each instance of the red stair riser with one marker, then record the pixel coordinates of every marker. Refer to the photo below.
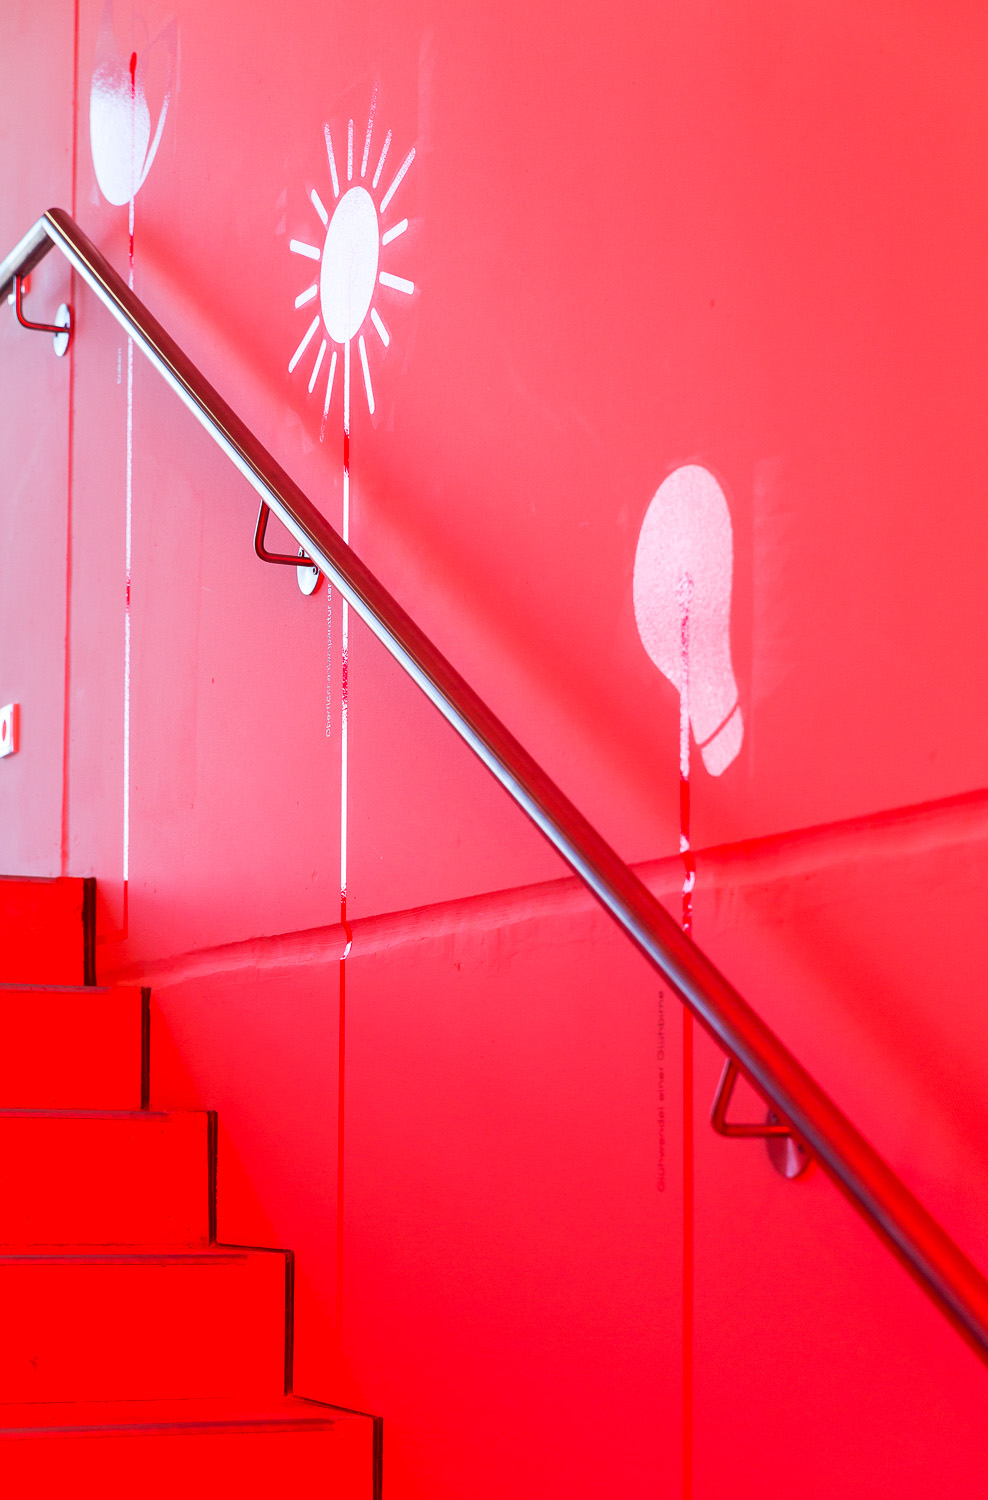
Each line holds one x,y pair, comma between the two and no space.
144,1369
103,1179
70,1048
332,1464
142,1327
41,934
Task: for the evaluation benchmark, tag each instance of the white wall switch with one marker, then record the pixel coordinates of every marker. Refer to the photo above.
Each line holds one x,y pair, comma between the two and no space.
9,727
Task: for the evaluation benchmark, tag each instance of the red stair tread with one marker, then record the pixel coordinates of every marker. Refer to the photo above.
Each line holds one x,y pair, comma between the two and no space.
70,1047
41,930
142,1324
196,1450
88,1178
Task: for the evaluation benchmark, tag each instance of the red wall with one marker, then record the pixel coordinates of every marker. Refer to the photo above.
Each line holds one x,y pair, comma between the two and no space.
744,237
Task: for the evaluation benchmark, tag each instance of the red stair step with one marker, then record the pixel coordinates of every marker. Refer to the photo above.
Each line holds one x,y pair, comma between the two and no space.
47,930
144,1325
72,1047
75,1177
186,1450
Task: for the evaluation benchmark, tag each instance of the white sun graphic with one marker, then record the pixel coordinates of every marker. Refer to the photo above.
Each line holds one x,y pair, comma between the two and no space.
350,273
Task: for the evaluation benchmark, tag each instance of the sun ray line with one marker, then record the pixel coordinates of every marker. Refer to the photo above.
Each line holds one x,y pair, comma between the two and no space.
367,380
392,234
349,152
299,247
303,345
319,207
397,283
332,160
329,386
383,332
315,369
397,179
307,295
370,131
380,166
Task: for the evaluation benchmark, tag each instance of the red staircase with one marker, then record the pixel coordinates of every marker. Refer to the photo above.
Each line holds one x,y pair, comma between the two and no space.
137,1355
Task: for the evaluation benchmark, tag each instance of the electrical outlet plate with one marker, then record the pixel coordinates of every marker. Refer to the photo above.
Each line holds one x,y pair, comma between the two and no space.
9,728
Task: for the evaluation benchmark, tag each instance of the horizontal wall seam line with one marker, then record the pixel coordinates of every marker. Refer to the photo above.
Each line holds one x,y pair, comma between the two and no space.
899,833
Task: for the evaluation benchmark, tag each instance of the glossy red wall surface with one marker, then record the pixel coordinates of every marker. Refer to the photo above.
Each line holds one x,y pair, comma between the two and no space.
737,236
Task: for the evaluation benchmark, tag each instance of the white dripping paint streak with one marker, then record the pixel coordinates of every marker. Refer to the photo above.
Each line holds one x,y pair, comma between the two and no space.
397,179
329,656
128,537
684,595
344,627
127,555
392,234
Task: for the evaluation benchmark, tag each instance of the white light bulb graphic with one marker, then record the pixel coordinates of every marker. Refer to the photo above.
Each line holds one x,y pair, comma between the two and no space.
685,562
349,277
119,116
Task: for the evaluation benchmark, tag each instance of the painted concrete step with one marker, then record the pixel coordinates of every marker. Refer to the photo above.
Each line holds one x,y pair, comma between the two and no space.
195,1450
144,1325
82,1177
73,1047
47,930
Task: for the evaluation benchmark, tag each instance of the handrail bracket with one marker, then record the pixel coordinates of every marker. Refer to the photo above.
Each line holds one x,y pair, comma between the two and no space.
788,1155
306,572
61,329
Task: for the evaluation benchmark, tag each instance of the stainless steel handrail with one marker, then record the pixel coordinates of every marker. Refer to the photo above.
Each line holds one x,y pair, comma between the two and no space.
939,1265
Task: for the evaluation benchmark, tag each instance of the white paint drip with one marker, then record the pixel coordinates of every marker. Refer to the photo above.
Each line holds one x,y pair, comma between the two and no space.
346,436
684,595
128,535
128,554
345,629
397,179
687,531
119,117
392,234
385,336
370,131
397,283
332,161
316,367
380,165
306,340
367,378
329,659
